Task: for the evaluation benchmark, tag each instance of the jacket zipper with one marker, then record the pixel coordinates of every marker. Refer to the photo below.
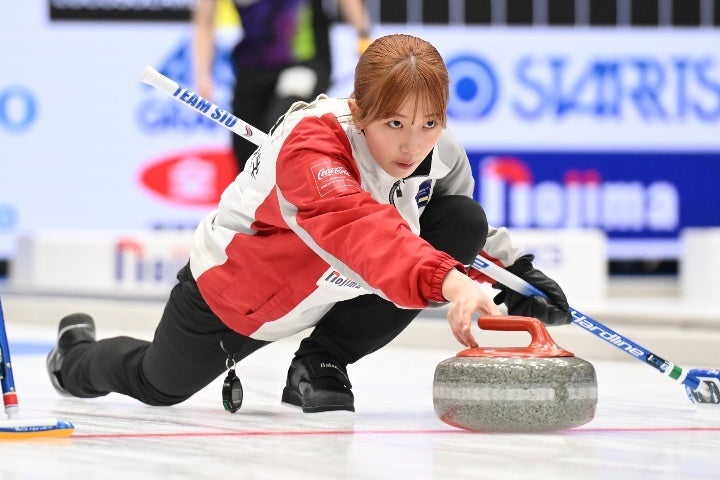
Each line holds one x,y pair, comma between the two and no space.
395,188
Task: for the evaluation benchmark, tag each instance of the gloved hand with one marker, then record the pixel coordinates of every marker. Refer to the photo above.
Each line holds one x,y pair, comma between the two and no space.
551,311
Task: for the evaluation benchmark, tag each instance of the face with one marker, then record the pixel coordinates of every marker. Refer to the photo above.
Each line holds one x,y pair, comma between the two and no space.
401,142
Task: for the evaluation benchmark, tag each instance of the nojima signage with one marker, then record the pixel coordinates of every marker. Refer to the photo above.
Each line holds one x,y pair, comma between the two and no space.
642,200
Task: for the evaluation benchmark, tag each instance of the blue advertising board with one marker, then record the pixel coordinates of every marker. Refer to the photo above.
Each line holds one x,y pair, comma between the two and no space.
642,200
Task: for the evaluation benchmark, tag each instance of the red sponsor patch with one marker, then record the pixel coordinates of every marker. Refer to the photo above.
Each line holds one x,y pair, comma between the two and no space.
330,176
192,177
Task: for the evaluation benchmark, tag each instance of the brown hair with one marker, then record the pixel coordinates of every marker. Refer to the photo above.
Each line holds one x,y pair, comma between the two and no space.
392,69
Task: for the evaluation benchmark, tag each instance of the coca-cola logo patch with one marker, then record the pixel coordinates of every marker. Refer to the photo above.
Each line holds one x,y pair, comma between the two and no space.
331,177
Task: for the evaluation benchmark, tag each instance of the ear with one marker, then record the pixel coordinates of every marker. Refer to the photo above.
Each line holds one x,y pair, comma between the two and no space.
355,112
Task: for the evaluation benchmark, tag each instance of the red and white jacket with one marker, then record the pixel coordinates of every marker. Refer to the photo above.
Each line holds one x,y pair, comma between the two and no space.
313,220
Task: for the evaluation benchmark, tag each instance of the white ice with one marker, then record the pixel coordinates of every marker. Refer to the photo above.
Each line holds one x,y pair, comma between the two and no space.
644,427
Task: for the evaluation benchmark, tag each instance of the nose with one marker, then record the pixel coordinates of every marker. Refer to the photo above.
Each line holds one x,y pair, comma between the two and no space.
410,145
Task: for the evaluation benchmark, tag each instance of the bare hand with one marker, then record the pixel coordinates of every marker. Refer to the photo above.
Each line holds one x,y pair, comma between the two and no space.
466,299
205,87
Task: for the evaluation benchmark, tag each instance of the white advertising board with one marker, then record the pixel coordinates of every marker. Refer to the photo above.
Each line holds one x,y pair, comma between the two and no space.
85,145
569,88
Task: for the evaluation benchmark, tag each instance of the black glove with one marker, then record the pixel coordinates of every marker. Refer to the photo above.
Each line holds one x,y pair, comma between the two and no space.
551,311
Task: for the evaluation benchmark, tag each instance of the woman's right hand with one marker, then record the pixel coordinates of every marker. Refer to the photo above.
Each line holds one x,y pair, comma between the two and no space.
466,299
205,87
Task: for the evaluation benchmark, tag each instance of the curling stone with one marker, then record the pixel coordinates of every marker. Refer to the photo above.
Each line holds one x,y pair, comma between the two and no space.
538,388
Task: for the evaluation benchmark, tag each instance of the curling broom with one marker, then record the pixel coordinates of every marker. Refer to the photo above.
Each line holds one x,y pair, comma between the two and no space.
702,385
15,427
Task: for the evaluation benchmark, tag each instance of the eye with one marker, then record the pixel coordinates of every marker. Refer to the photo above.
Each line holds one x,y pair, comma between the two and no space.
431,124
394,124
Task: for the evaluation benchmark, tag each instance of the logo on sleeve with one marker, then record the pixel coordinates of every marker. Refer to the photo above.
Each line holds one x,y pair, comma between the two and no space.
423,196
333,279
332,177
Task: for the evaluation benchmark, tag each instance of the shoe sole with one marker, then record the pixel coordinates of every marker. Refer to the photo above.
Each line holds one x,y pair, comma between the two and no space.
67,324
328,408
293,399
53,376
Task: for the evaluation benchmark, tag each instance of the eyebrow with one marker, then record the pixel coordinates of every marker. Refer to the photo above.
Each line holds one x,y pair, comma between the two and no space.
397,114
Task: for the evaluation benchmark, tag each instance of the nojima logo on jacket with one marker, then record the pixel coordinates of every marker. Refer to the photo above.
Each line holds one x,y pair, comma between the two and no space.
193,178
335,280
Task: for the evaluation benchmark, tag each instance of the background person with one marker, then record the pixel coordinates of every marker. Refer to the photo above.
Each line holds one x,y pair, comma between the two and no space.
282,56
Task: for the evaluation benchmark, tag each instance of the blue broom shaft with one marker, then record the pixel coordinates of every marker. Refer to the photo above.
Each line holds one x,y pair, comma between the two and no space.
591,325
8,382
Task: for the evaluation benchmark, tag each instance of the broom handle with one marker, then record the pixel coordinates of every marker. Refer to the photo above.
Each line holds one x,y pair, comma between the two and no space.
522,287
6,376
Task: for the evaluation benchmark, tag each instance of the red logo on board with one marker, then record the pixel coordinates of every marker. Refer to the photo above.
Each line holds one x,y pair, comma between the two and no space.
193,177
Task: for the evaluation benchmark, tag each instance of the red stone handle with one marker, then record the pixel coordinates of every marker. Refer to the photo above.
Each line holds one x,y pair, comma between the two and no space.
541,345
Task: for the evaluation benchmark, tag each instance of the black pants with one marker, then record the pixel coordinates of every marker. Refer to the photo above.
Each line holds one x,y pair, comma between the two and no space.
190,343
256,101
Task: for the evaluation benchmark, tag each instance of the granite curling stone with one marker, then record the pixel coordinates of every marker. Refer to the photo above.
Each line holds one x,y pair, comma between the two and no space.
538,388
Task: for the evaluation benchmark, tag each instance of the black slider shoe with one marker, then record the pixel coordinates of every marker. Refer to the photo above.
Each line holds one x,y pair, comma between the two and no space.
318,383
73,330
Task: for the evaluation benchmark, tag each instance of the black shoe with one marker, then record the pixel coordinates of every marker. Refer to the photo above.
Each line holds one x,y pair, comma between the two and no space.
72,330
318,383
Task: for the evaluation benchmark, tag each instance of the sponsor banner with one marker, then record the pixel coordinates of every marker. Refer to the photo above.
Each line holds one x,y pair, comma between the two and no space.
641,200
618,131
192,178
121,10
86,145
115,263
18,108
543,89
563,256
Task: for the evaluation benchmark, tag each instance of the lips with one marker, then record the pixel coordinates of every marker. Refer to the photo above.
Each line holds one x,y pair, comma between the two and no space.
405,165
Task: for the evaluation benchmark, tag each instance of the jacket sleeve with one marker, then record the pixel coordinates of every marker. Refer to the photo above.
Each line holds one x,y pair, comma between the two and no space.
322,201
